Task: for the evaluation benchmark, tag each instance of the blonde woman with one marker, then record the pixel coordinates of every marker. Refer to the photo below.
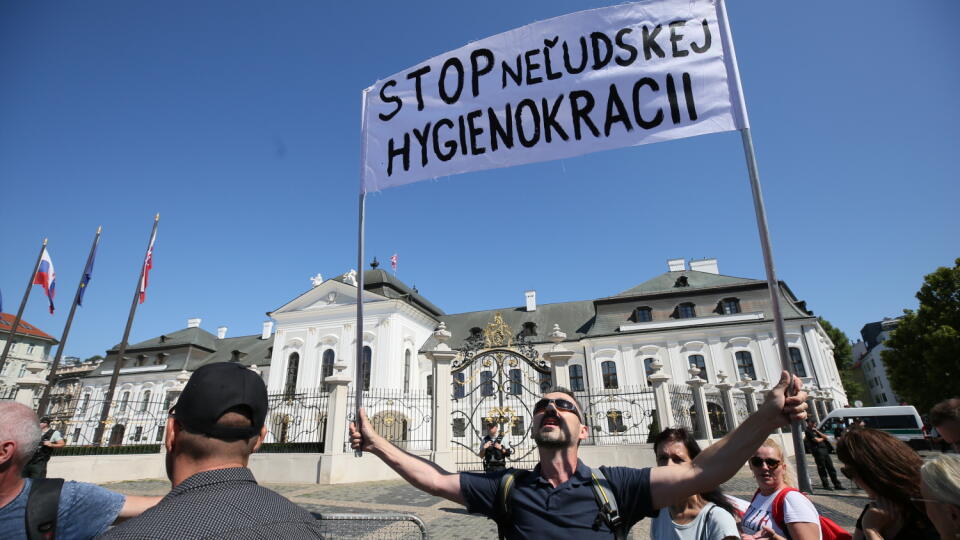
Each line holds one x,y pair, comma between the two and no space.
777,508
940,488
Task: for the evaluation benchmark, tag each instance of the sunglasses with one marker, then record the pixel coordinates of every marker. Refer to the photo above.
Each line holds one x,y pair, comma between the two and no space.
759,461
560,403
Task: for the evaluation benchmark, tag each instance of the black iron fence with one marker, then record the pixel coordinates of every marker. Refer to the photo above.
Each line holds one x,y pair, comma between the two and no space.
403,418
619,416
296,422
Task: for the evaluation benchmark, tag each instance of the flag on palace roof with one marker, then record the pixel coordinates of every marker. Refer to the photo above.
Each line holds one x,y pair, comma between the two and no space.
393,261
46,277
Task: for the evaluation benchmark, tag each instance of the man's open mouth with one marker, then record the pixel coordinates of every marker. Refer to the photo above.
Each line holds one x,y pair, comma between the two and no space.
550,421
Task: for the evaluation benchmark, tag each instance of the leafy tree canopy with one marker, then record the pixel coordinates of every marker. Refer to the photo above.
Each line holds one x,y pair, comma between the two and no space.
843,357
923,356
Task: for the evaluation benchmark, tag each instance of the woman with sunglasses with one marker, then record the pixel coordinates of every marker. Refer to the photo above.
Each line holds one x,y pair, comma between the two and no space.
800,519
941,491
707,516
889,472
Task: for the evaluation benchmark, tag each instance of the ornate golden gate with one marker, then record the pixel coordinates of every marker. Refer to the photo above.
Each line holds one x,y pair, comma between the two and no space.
498,378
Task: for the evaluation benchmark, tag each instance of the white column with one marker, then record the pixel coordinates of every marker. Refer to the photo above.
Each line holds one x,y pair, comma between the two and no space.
747,387
726,395
661,394
696,385
559,358
769,359
335,455
442,356
593,371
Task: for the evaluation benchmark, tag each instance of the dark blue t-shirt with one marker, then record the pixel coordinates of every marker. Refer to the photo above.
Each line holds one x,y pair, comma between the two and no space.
568,511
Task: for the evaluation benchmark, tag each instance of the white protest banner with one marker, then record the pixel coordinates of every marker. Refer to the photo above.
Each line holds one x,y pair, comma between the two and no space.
594,80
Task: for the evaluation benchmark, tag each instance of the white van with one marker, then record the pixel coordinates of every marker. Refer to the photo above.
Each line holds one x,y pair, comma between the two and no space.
903,422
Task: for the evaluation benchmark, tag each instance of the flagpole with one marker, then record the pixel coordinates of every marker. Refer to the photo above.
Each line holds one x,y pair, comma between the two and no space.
52,376
773,285
23,304
358,385
108,398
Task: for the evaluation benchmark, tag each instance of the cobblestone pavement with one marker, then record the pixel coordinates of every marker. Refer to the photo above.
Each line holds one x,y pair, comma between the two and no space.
448,520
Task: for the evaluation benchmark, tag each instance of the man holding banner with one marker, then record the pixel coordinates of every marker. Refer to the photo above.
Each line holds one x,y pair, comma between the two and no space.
557,499
595,80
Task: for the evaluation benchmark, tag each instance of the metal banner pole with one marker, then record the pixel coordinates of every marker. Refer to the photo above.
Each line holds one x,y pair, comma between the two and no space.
358,383
773,285
52,376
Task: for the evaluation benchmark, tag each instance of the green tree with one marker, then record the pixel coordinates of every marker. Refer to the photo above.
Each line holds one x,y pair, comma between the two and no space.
923,356
843,357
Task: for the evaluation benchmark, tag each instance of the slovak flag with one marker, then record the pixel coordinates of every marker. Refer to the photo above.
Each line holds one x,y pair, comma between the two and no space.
147,265
393,261
46,277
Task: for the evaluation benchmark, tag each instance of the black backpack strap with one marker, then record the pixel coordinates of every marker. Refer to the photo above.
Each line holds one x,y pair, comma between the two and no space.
504,492
42,506
607,501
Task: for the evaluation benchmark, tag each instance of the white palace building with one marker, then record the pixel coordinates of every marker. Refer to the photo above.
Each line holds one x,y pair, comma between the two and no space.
688,316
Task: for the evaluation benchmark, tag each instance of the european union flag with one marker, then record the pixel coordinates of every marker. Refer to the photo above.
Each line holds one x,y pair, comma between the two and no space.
87,273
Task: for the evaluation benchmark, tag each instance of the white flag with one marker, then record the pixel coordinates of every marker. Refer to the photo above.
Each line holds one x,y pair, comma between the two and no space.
594,80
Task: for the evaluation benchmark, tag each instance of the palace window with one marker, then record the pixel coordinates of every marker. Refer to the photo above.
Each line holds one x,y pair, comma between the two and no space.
745,365
615,421
459,427
648,368
546,381
518,428
529,329
642,314
459,380
515,382
685,310
367,364
326,367
609,371
406,371
729,306
486,383
796,359
124,401
576,377
698,361
293,367
145,403
429,385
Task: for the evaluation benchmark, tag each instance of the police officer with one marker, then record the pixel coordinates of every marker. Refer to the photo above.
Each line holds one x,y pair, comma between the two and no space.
492,452
49,439
820,448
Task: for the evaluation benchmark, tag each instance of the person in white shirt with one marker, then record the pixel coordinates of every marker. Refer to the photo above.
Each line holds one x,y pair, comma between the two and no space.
800,517
703,516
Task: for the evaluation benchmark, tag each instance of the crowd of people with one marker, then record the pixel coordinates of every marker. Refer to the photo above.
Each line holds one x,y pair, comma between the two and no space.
219,420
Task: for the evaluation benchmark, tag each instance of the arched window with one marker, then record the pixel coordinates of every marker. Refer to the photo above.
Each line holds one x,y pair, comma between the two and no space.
459,380
326,367
515,382
698,361
293,368
685,310
745,365
648,368
615,421
406,371
367,363
124,400
145,402
609,371
729,306
796,359
642,314
486,383
576,377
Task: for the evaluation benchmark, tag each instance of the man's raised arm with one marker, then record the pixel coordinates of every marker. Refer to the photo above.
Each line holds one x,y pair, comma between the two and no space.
721,460
421,473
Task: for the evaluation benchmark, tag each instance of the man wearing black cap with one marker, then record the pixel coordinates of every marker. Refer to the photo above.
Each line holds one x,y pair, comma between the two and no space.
212,430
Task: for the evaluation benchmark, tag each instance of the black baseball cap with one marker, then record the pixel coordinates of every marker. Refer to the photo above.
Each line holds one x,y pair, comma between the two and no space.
214,389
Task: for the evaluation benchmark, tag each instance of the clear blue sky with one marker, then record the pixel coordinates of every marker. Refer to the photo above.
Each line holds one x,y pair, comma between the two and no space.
239,122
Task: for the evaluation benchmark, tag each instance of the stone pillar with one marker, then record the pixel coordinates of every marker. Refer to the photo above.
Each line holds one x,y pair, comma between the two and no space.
746,386
559,358
726,396
661,395
813,413
696,385
820,406
442,356
334,441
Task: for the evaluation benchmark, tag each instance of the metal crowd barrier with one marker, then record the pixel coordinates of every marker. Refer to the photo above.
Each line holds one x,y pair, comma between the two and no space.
372,526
